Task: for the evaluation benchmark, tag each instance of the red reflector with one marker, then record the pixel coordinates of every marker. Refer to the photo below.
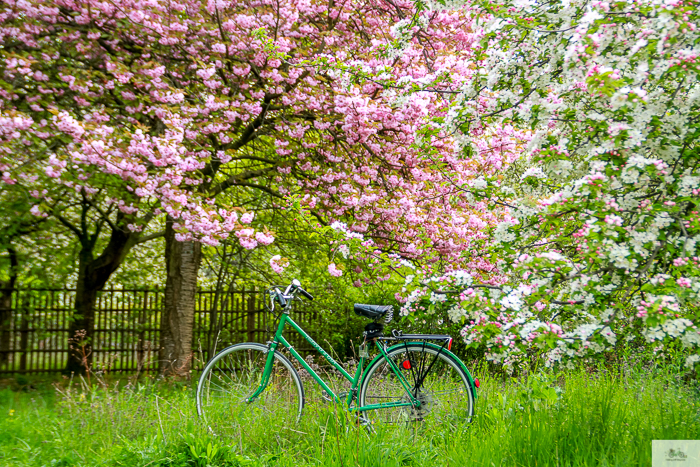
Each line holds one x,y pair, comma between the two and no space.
476,382
449,344
406,365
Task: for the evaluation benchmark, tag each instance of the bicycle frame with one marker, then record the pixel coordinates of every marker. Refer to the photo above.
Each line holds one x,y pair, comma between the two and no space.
354,381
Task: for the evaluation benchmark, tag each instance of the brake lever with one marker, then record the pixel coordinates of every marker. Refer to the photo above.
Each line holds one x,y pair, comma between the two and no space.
280,297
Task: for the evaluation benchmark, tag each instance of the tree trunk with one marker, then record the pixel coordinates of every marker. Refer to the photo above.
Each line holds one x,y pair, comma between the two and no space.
182,265
6,290
93,274
82,325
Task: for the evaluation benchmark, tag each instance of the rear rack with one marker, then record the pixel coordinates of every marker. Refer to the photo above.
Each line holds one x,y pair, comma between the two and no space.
399,336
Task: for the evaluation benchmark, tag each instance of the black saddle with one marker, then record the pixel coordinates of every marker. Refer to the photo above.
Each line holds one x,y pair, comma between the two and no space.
373,311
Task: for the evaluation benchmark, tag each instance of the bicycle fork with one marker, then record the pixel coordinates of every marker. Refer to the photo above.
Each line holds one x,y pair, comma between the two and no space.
266,372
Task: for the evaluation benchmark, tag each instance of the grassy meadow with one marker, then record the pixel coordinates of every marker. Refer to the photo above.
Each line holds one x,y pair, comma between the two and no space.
576,418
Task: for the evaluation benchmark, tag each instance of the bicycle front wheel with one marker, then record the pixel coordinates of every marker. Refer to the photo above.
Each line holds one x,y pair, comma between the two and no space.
436,379
230,379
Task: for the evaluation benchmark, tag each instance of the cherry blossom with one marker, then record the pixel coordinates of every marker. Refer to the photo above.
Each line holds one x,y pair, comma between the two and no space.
187,101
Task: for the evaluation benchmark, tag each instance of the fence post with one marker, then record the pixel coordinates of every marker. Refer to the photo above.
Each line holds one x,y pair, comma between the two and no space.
213,332
250,325
23,333
140,353
5,325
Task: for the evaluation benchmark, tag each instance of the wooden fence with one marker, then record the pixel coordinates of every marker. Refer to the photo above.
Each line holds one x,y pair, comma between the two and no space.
127,328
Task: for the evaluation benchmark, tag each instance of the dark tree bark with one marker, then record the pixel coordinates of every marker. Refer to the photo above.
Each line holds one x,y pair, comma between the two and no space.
93,274
182,266
7,288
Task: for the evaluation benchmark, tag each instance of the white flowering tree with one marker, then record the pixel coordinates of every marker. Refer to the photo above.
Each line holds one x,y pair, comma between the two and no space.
600,241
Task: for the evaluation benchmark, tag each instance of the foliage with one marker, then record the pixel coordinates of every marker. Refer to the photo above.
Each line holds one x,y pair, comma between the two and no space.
529,170
178,103
599,237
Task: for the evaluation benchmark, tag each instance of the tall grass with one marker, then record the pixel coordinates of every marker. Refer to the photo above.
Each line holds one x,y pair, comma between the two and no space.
572,419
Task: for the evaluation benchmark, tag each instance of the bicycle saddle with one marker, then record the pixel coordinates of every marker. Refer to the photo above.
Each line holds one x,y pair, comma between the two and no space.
372,311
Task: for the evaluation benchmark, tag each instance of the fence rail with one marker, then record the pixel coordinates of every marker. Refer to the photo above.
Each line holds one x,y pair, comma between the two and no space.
34,338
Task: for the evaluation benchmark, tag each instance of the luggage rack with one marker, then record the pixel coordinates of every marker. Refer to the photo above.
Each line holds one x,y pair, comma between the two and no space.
400,336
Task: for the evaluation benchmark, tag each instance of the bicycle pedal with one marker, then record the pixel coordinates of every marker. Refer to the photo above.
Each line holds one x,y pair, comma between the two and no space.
326,397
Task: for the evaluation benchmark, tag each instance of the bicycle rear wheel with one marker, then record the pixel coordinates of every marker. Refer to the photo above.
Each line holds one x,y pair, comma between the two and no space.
436,379
231,378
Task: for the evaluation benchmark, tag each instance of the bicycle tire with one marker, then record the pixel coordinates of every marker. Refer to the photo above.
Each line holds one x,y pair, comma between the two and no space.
232,375
443,391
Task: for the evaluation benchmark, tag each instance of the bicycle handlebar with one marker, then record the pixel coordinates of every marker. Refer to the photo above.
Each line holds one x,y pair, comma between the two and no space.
295,286
305,293
289,293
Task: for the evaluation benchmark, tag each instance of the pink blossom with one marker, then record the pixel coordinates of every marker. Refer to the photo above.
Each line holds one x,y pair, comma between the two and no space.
334,271
613,220
263,238
7,178
278,264
37,212
247,243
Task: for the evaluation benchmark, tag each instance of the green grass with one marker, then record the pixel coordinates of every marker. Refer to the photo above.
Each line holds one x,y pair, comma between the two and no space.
577,419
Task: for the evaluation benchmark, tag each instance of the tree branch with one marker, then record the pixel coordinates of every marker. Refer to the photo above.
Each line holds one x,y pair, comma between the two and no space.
149,237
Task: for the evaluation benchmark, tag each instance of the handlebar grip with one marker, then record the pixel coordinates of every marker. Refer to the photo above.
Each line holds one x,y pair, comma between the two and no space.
306,294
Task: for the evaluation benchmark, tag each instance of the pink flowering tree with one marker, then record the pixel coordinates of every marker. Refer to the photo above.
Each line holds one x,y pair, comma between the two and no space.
96,210
600,241
182,108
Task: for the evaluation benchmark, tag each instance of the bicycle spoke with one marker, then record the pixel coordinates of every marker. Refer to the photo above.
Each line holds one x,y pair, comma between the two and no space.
439,385
233,376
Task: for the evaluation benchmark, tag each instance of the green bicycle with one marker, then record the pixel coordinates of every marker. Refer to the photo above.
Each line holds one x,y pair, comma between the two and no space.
416,378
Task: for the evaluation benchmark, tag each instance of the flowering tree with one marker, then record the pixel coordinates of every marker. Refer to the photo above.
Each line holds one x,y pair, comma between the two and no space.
601,237
11,233
173,105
